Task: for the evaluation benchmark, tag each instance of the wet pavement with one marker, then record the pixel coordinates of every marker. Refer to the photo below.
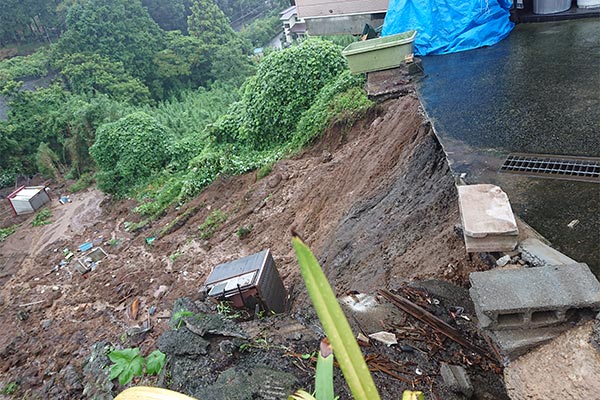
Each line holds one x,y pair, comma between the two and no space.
538,91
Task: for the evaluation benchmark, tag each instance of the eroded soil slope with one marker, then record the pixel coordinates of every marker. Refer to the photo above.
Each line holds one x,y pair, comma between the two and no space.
374,199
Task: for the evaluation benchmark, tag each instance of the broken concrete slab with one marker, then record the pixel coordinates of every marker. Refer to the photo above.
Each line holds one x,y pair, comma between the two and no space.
532,297
516,342
487,218
540,254
456,378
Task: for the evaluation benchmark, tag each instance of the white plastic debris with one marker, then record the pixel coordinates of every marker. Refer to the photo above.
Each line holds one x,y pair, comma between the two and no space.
573,223
502,261
384,337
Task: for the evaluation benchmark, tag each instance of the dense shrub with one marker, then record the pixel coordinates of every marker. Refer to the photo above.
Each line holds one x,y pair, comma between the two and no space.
128,151
342,95
284,86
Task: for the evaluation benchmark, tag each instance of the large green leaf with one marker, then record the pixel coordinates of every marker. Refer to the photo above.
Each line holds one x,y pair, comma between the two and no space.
336,326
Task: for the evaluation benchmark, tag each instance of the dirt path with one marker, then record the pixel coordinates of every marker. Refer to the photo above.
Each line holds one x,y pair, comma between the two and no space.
374,199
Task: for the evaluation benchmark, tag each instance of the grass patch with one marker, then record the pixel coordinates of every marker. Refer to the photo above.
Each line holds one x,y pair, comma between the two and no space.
264,171
212,223
244,231
42,218
6,232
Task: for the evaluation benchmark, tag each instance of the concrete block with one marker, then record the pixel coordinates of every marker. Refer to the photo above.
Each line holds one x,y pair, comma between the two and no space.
540,254
487,218
514,343
456,378
532,297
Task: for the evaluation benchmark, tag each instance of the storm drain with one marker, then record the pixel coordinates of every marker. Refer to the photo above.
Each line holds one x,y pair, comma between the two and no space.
550,166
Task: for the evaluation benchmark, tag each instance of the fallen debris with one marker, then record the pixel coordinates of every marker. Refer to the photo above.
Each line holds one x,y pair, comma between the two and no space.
539,254
434,322
386,338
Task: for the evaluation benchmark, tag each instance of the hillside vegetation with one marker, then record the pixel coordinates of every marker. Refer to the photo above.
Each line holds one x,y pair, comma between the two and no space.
156,99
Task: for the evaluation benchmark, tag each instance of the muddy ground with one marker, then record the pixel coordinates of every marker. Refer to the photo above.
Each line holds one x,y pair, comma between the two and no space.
374,199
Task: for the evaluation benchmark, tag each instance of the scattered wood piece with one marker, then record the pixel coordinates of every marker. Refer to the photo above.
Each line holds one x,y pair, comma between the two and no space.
32,303
133,310
434,322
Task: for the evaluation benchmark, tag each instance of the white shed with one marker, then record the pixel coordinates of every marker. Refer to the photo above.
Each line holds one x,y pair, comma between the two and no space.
28,199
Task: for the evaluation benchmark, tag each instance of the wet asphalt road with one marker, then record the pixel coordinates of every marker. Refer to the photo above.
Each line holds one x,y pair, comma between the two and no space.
538,91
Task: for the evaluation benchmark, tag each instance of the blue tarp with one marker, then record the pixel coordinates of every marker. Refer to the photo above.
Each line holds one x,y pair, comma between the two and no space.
448,26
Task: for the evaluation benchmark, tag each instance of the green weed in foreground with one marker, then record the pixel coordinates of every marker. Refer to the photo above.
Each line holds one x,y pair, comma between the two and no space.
42,218
212,223
335,324
128,363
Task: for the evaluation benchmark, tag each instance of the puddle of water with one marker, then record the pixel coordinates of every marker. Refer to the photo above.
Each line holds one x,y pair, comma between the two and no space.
538,91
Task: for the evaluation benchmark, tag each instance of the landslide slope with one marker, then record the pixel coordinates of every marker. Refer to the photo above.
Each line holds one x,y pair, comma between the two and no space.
374,198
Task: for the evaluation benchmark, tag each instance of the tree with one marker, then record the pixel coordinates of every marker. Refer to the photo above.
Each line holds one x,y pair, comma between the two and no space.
209,24
92,73
129,151
170,15
120,30
285,85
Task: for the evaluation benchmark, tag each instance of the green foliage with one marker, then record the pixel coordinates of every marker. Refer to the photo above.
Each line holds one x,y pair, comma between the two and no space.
42,218
342,97
47,162
244,231
179,317
225,309
32,66
209,23
127,364
6,232
169,15
284,87
120,30
129,151
214,220
155,362
10,388
335,324
85,181
6,178
92,73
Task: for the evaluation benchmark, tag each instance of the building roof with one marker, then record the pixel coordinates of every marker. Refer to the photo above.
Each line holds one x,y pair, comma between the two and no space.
288,13
25,193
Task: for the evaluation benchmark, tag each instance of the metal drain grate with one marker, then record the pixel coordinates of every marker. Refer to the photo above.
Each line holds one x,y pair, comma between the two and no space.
549,166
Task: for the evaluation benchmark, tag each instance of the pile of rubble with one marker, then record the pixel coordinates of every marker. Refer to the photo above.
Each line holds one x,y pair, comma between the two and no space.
536,292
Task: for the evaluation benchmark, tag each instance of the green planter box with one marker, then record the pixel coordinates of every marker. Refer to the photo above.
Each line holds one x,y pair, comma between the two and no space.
379,54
